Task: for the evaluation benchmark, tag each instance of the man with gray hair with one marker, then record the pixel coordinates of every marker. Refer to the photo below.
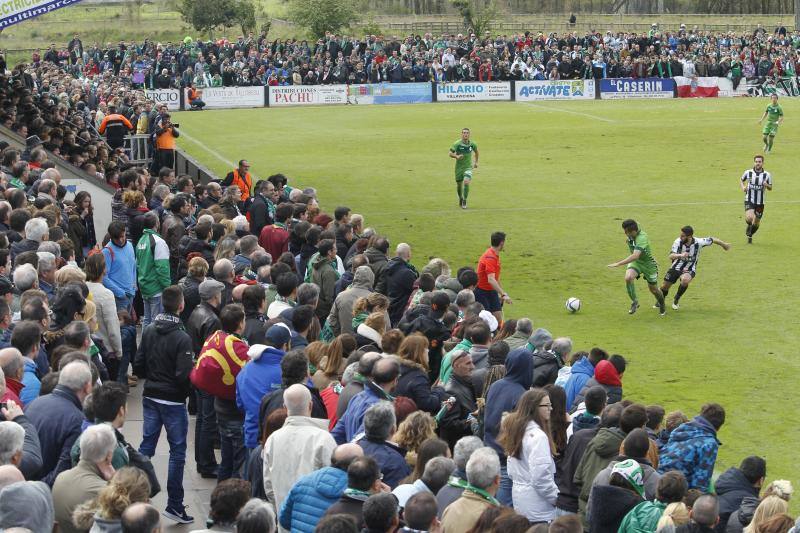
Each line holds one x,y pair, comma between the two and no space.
83,482
380,424
36,231
483,480
340,319
301,446
25,277
58,418
12,441
256,516
242,261
434,477
47,274
400,276
521,335
225,273
547,363
462,451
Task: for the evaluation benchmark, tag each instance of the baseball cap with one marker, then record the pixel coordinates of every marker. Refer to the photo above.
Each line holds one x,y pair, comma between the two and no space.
278,335
490,320
209,288
633,474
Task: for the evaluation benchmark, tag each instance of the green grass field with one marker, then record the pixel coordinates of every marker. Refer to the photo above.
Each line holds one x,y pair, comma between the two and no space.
559,178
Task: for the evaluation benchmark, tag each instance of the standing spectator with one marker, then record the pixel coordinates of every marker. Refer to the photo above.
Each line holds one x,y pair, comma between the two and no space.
300,447
376,255
379,425
190,285
107,317
274,238
165,134
325,276
164,359
261,212
120,277
36,231
220,361
58,417
82,483
173,228
459,420
613,501
547,363
314,493
381,513
582,371
340,319
646,516
115,127
240,177
363,480
434,477
736,484
608,374
384,380
141,518
400,277
483,479
692,447
704,516
413,381
152,267
453,490
20,441
525,437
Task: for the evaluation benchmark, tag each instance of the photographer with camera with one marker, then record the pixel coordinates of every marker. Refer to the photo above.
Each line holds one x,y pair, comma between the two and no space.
166,133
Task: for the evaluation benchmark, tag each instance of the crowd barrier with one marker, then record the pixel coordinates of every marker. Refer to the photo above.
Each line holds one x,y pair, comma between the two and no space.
507,91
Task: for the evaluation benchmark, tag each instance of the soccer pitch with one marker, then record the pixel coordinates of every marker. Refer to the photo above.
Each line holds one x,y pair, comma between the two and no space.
558,178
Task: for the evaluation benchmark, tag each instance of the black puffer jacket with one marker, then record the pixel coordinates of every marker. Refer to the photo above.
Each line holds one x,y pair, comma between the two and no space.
612,504
400,278
732,487
202,322
414,383
546,365
164,359
742,517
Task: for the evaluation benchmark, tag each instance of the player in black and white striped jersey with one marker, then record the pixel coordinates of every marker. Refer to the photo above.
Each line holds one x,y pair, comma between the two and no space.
684,255
755,183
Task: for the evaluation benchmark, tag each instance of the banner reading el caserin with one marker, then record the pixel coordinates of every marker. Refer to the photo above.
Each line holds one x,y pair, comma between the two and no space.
15,11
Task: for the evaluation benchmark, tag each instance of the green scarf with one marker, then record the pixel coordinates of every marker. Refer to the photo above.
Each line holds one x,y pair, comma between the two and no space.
356,494
464,485
359,319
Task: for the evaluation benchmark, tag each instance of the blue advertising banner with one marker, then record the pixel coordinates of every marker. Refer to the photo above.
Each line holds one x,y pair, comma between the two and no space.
390,93
473,91
16,11
554,90
611,89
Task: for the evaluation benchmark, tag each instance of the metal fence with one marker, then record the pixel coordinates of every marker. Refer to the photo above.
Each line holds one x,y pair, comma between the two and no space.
138,148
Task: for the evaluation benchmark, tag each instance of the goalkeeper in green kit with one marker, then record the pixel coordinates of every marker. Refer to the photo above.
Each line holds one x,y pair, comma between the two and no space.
774,116
462,151
640,263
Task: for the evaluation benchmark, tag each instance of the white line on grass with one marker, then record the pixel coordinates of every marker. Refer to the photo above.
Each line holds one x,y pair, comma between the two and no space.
565,207
207,149
578,113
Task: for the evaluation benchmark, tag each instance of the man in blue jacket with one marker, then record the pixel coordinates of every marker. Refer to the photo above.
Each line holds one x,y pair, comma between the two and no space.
502,398
259,377
384,380
120,275
582,371
311,496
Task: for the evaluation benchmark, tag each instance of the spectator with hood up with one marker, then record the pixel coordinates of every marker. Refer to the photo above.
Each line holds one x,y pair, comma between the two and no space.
608,374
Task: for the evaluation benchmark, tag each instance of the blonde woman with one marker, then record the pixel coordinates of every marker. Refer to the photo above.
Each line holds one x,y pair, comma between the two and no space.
674,515
769,507
128,486
414,382
331,366
413,431
368,334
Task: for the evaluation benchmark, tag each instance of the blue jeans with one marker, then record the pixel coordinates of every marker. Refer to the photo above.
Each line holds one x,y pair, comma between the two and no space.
123,302
232,450
175,419
504,491
205,431
152,308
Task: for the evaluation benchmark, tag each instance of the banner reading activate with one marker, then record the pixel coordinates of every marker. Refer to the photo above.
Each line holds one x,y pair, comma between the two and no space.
15,11
554,90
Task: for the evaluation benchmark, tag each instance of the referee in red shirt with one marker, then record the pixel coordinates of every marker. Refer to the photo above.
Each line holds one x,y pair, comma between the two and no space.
488,290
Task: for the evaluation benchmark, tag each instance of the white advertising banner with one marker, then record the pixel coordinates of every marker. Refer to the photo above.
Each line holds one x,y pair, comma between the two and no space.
289,95
473,91
171,97
554,90
228,97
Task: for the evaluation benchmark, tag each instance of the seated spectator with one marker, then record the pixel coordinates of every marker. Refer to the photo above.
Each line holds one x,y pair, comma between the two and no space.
483,480
454,488
674,515
692,447
337,523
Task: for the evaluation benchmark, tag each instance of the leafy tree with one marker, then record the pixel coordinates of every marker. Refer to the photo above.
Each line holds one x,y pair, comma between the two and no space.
206,15
245,15
319,16
475,18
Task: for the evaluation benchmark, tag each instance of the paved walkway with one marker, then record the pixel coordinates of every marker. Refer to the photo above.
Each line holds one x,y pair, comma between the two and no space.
197,490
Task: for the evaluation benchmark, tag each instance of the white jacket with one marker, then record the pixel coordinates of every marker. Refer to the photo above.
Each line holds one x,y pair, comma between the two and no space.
301,446
107,318
534,491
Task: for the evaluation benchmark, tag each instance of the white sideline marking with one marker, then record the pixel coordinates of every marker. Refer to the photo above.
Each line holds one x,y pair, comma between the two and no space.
209,150
559,207
578,113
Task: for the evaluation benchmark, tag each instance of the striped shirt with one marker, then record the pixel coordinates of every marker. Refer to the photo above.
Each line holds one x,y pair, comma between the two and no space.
756,185
693,249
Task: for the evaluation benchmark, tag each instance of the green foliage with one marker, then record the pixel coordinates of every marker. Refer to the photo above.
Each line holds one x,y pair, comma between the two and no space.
476,18
370,27
320,16
246,15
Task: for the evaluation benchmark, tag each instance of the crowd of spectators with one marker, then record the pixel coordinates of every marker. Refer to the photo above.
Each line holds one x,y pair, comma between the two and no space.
346,389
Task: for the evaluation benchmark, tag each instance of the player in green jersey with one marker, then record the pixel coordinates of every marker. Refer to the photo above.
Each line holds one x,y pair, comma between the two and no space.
774,116
640,263
462,151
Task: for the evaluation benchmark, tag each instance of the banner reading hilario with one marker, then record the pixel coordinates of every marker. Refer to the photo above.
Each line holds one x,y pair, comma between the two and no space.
15,11
554,90
611,89
473,91
390,93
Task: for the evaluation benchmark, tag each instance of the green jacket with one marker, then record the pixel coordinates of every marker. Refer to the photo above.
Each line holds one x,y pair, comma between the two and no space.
152,264
643,518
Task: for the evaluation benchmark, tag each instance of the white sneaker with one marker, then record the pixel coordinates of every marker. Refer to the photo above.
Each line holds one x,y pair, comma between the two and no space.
675,306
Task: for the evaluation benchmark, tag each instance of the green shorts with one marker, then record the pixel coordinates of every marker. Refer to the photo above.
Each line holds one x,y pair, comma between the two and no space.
770,129
462,174
648,271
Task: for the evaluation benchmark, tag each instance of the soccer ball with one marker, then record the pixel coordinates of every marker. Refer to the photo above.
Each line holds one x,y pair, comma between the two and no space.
573,305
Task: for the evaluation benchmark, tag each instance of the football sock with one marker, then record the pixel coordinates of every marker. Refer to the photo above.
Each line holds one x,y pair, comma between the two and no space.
466,191
766,140
631,291
459,187
769,143
659,297
749,231
665,292
680,292
753,229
